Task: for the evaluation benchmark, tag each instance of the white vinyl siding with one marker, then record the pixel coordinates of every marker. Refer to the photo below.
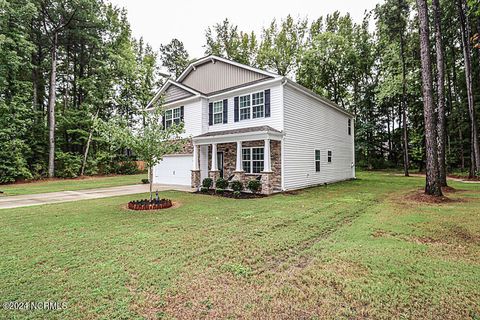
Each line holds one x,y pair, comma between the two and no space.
276,111
312,125
193,117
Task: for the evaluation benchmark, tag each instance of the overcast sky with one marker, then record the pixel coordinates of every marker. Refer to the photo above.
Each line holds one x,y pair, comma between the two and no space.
160,21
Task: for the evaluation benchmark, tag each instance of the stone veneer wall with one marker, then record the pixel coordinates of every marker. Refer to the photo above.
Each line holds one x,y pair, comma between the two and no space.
187,148
230,157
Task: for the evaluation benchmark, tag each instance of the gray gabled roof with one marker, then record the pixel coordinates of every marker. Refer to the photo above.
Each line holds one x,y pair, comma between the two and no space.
239,131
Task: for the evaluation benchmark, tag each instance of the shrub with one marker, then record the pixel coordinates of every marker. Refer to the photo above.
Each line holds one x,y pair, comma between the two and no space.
207,183
219,191
128,167
236,185
145,181
254,185
221,183
237,194
203,189
68,165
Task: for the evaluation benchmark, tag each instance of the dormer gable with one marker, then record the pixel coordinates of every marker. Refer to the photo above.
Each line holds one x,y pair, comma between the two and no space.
213,74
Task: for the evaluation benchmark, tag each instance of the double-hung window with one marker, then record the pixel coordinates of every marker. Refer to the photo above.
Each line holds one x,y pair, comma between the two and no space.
329,156
172,116
258,105
218,112
349,127
244,107
252,106
317,160
253,160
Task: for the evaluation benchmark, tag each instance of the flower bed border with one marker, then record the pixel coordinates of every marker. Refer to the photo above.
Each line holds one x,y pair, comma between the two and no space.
150,205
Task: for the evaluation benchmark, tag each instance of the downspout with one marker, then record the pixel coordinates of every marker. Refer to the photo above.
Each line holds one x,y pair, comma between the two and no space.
282,143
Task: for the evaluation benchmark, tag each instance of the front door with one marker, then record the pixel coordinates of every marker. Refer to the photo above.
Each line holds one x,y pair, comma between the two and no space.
220,163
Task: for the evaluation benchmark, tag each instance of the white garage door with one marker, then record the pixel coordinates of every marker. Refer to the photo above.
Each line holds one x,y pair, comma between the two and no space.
174,170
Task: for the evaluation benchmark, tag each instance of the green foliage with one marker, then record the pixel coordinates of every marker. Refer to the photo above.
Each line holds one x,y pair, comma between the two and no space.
221,183
145,181
236,185
219,191
128,167
174,57
207,183
237,193
238,269
68,164
254,185
204,189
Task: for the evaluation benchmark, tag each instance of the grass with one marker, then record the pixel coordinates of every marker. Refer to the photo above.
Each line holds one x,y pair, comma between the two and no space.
356,249
71,184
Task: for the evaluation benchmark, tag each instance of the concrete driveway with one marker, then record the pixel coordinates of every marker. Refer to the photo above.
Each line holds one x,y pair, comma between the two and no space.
8,202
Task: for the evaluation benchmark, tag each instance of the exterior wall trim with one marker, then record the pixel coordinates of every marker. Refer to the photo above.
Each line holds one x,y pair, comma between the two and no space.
239,137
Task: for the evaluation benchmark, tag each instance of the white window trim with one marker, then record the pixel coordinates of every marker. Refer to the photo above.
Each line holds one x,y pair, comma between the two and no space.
214,113
331,156
173,118
315,160
251,159
251,106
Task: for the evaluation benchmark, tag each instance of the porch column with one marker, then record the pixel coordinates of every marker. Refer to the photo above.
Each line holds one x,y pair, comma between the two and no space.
195,158
195,183
267,160
214,158
238,167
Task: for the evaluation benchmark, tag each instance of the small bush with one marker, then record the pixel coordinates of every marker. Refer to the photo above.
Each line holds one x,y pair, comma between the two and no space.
207,183
68,165
203,189
221,183
236,185
128,167
219,191
145,181
254,185
237,194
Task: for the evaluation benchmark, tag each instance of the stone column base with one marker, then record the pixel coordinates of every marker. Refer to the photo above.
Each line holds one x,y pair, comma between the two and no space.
214,175
196,178
239,176
267,185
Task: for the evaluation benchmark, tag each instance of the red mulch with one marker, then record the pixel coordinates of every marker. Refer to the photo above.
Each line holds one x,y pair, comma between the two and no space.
420,196
464,178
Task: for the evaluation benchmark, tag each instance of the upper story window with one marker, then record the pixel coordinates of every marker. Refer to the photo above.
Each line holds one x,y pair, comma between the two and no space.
173,116
329,156
253,160
252,106
349,127
244,107
218,112
317,160
258,105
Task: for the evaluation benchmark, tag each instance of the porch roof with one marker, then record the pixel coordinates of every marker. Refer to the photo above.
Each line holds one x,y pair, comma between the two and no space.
242,134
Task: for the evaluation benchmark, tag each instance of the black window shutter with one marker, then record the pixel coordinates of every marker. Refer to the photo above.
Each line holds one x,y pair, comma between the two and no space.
236,109
163,120
225,111
182,113
267,103
210,114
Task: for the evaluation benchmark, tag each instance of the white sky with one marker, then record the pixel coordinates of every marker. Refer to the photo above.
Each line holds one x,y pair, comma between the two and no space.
160,21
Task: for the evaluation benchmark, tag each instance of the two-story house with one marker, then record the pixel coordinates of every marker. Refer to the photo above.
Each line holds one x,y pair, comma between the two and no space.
246,123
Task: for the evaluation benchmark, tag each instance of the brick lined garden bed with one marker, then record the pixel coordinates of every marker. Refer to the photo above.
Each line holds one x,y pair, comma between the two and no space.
150,205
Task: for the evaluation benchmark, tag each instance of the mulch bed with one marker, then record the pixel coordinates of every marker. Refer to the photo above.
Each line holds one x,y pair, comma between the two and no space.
150,205
420,196
230,194
465,178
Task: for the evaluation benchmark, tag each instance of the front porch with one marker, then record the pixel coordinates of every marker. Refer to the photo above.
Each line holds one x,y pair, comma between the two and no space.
242,154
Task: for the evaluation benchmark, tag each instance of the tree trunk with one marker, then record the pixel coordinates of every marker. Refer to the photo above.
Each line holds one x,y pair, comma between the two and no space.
89,140
150,179
404,108
441,126
432,186
51,108
465,33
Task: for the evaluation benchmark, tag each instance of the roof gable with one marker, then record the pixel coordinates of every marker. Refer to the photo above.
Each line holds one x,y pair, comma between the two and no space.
212,74
173,91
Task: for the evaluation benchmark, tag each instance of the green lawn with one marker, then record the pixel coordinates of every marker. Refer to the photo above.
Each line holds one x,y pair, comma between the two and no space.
71,184
355,249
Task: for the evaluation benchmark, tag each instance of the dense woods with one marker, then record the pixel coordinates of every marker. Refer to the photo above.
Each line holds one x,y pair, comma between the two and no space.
409,72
